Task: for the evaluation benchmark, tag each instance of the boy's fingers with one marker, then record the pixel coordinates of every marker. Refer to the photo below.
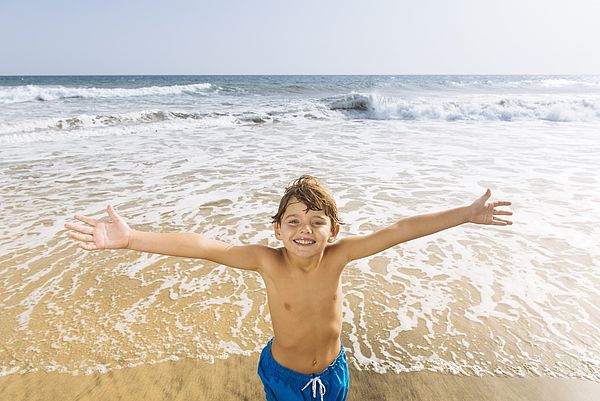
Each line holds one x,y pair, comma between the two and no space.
85,219
82,237
112,213
88,247
502,221
81,229
504,212
502,203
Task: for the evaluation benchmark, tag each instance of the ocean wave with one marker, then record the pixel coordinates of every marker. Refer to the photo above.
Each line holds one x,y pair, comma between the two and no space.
83,122
28,93
491,108
44,129
34,128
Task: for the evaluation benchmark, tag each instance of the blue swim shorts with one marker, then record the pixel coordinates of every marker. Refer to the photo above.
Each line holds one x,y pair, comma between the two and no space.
283,384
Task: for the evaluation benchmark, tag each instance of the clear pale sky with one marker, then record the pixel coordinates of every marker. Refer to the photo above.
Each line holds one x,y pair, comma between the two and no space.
300,37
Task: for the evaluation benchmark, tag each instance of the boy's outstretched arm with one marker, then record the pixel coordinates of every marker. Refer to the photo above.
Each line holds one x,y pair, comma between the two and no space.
478,212
116,234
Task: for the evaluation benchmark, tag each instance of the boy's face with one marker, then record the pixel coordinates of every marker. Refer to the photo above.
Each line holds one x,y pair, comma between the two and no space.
304,233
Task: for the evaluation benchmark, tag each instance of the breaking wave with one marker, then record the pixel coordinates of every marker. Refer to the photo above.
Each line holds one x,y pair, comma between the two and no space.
491,108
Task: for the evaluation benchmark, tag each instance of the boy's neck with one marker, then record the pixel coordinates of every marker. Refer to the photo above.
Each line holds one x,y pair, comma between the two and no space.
304,264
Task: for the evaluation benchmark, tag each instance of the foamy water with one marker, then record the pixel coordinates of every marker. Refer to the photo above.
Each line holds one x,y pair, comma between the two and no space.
214,158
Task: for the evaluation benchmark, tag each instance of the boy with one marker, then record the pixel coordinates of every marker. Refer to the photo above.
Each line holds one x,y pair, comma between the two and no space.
304,292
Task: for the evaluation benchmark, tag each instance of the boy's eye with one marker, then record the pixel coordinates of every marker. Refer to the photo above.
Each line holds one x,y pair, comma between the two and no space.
316,223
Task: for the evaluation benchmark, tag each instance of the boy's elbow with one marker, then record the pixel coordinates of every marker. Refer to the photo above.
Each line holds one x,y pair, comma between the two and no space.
398,233
201,247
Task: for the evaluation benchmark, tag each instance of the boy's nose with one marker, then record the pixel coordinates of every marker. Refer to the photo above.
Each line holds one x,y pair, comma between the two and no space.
305,229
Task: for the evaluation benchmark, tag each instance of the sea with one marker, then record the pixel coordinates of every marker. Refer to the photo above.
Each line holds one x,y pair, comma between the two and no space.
213,154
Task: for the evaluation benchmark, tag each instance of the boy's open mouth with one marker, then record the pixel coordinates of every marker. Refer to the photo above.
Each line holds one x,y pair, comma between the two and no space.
304,241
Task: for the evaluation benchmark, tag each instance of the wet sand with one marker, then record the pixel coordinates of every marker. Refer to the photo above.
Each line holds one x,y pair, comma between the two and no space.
235,379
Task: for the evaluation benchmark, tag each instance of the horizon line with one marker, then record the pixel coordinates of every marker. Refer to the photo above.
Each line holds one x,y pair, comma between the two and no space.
297,75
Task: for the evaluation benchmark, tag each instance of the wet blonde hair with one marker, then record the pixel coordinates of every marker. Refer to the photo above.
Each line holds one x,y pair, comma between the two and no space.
308,190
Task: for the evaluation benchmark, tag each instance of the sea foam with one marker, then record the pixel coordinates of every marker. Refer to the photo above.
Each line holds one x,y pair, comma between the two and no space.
491,108
28,93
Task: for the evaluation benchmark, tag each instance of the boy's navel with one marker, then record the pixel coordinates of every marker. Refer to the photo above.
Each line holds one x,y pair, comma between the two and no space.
287,306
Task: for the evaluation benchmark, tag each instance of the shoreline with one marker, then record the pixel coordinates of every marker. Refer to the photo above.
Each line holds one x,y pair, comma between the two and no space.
235,378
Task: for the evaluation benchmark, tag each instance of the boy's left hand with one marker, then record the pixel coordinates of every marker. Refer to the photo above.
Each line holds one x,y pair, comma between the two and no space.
485,213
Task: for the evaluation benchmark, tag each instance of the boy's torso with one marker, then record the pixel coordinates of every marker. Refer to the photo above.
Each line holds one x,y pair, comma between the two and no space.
306,311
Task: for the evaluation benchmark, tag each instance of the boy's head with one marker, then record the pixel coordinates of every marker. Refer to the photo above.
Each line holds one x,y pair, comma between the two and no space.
310,192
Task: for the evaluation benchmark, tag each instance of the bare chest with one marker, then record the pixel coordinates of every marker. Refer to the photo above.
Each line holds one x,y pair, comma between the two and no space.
304,299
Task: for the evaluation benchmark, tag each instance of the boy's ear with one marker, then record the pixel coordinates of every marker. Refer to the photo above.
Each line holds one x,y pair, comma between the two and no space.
277,230
334,233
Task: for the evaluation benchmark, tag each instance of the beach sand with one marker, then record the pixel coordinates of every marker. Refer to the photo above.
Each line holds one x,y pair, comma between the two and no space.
235,378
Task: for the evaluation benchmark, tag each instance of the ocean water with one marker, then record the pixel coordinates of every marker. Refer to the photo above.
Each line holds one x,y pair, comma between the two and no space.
212,154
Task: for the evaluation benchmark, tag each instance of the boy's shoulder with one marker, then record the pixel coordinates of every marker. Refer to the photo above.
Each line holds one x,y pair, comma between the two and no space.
337,251
268,254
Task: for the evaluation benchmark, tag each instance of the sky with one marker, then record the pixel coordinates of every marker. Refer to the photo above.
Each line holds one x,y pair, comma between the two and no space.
92,37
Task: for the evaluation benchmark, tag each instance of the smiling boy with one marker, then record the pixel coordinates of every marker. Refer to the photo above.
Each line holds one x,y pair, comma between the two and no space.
305,359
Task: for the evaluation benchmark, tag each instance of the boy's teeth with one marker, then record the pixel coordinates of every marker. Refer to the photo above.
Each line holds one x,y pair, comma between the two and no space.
304,242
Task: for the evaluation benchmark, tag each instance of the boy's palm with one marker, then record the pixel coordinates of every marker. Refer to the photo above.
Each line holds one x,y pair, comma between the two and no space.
485,213
101,235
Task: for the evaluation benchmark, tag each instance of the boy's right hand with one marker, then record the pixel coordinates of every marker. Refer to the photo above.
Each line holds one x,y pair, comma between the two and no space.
115,234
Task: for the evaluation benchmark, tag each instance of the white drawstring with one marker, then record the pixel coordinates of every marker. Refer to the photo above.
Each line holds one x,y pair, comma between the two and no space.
314,382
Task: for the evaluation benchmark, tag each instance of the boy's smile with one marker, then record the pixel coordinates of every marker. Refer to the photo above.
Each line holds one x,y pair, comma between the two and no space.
304,241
